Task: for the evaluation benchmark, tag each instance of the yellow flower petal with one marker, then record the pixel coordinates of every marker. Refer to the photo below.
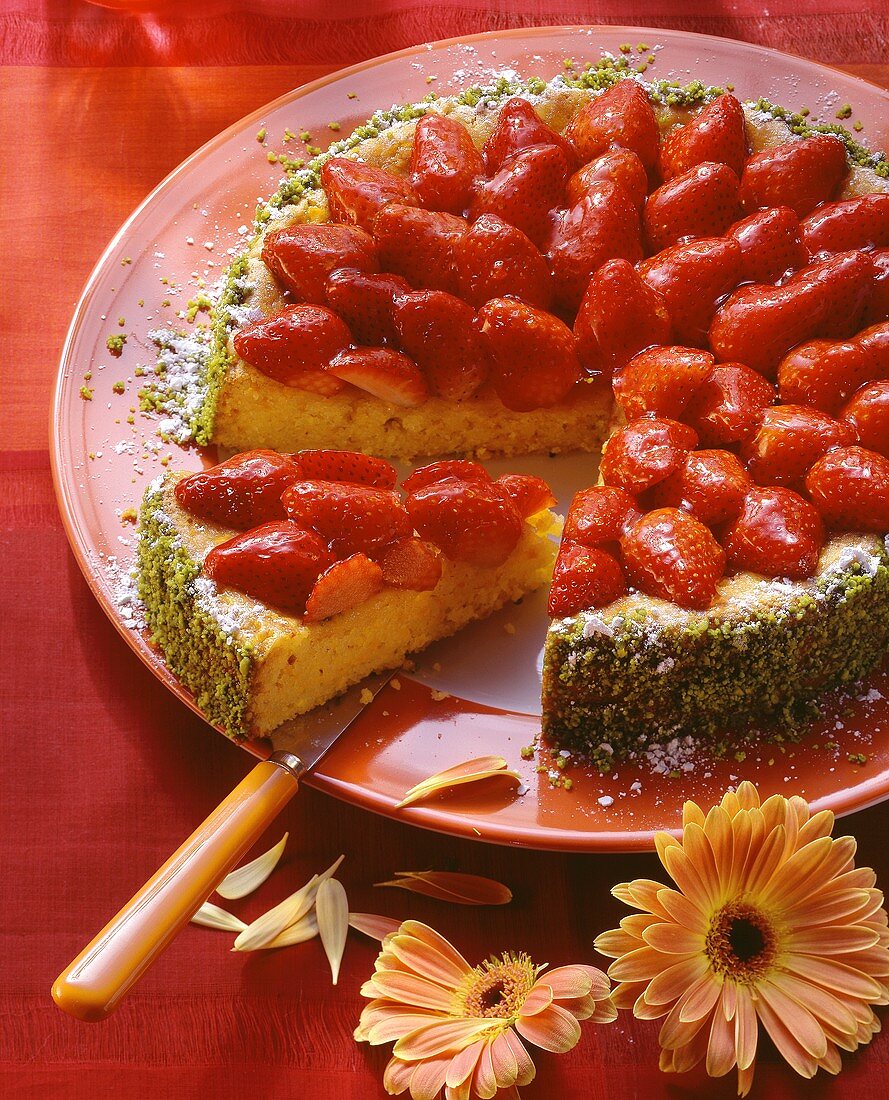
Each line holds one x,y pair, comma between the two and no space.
470,771
575,981
332,913
639,965
503,1062
429,1078
452,886
831,939
463,1064
373,925
484,1082
305,929
701,997
412,990
540,997
834,974
554,1029
211,916
425,960
527,1069
244,880
436,941
291,910
390,1022
673,939
671,983
452,1035
746,1031
397,1076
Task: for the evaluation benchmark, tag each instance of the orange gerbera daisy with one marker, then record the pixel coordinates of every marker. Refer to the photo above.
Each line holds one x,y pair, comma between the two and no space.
459,1027
771,924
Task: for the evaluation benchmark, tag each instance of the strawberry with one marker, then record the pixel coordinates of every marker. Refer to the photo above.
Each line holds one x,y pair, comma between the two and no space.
529,494
824,373
276,563
645,452
875,341
727,407
620,117
349,466
604,225
600,515
800,174
692,278
349,518
850,488
702,202
356,192
661,381
868,413
461,469
878,304
711,485
444,163
619,315
342,586
436,330
411,563
302,256
523,191
790,438
469,521
670,554
382,372
421,245
620,166
770,244
533,356
294,345
518,126
778,534
718,133
862,222
364,301
758,325
496,259
584,578
241,492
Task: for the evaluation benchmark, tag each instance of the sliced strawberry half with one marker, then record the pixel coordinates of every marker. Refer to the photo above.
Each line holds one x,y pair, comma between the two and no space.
528,493
600,515
702,202
718,133
349,518
349,466
342,586
382,372
645,452
277,563
294,345
436,330
472,522
584,578
364,301
770,244
421,245
824,373
868,413
459,469
411,563
778,534
661,381
519,126
800,174
862,222
356,191
533,354
302,256
242,491
620,166
727,407
670,554
789,439
850,489
525,189
711,485
444,163
495,260
622,117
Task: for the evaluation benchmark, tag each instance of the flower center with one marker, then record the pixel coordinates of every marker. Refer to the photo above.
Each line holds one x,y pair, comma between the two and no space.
742,942
496,988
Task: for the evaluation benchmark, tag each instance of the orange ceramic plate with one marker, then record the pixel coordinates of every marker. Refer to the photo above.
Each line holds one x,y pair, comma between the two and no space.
484,696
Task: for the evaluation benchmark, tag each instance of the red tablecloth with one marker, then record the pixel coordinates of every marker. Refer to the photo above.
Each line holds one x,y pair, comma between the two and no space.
105,772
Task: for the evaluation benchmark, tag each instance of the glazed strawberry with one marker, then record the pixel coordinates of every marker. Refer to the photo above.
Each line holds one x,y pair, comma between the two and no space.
382,372
526,187
518,126
604,225
850,488
702,202
444,162
670,554
356,192
728,406
349,466
875,341
711,485
644,452
342,586
878,304
661,381
302,256
421,245
293,346
436,330
789,439
868,413
241,492
469,521
692,278
619,315
778,534
364,301
495,260
277,563
620,166
600,515
411,563
718,133
460,469
770,244
824,373
862,222
584,578
620,117
800,174
533,355
529,494
758,325
349,518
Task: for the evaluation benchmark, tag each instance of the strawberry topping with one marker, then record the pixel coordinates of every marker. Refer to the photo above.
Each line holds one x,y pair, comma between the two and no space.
582,578
444,163
496,259
727,407
799,174
622,117
382,372
661,381
778,533
824,373
349,466
770,244
436,330
868,413
364,301
524,190
841,226
529,494
350,518
518,126
241,492
411,563
356,192
302,256
600,515
878,304
645,452
294,345
718,133
620,166
670,554
850,488
342,586
702,202
421,245
462,469
789,439
709,484
469,521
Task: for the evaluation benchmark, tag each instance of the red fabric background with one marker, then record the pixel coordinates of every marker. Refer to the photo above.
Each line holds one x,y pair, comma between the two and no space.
105,772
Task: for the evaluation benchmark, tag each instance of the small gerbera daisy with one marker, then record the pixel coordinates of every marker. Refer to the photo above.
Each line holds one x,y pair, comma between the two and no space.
771,923
459,1027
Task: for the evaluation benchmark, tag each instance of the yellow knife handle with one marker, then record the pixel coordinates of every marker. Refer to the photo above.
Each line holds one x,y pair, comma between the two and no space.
92,986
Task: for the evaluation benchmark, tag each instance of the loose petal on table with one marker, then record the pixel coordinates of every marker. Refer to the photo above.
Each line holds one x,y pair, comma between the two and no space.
291,910
470,771
211,916
373,925
244,880
452,886
332,914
